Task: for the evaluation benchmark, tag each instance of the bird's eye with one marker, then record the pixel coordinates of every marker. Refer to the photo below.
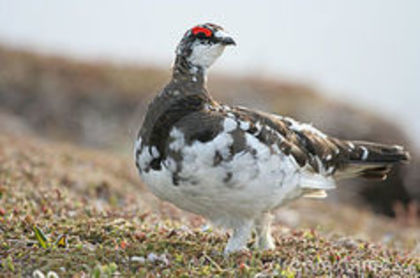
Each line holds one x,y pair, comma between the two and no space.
201,32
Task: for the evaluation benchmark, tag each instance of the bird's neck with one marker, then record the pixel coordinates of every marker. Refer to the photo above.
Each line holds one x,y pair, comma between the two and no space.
185,71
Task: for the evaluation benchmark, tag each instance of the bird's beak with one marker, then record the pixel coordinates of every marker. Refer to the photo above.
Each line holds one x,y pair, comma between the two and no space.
227,41
224,38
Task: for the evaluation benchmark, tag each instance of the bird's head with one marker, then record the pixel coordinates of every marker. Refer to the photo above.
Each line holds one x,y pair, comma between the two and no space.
203,44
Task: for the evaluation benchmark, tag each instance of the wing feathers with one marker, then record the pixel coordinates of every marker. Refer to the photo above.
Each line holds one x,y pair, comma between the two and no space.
325,155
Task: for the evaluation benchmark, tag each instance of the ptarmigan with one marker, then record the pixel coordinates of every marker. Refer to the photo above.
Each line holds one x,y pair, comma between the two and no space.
234,165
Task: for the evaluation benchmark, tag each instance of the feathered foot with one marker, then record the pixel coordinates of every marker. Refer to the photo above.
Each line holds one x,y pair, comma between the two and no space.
264,240
239,238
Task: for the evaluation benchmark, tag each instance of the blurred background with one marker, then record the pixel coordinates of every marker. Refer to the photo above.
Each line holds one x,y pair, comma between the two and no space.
83,72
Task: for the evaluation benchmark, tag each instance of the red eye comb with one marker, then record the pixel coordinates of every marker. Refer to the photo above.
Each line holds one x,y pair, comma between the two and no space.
205,31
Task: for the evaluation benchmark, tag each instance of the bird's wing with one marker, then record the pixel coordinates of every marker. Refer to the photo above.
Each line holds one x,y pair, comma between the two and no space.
323,154
306,144
268,137
316,154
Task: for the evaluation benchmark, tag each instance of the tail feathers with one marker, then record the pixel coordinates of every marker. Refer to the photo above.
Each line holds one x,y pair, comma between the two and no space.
315,194
371,160
315,185
367,152
378,173
310,182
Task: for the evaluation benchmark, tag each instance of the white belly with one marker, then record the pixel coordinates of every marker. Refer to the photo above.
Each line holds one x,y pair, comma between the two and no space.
242,187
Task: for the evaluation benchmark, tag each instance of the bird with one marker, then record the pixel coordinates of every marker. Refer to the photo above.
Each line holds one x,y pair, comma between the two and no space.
235,165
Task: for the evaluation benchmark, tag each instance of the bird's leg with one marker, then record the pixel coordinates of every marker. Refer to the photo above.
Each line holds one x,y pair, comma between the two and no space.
264,240
239,238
